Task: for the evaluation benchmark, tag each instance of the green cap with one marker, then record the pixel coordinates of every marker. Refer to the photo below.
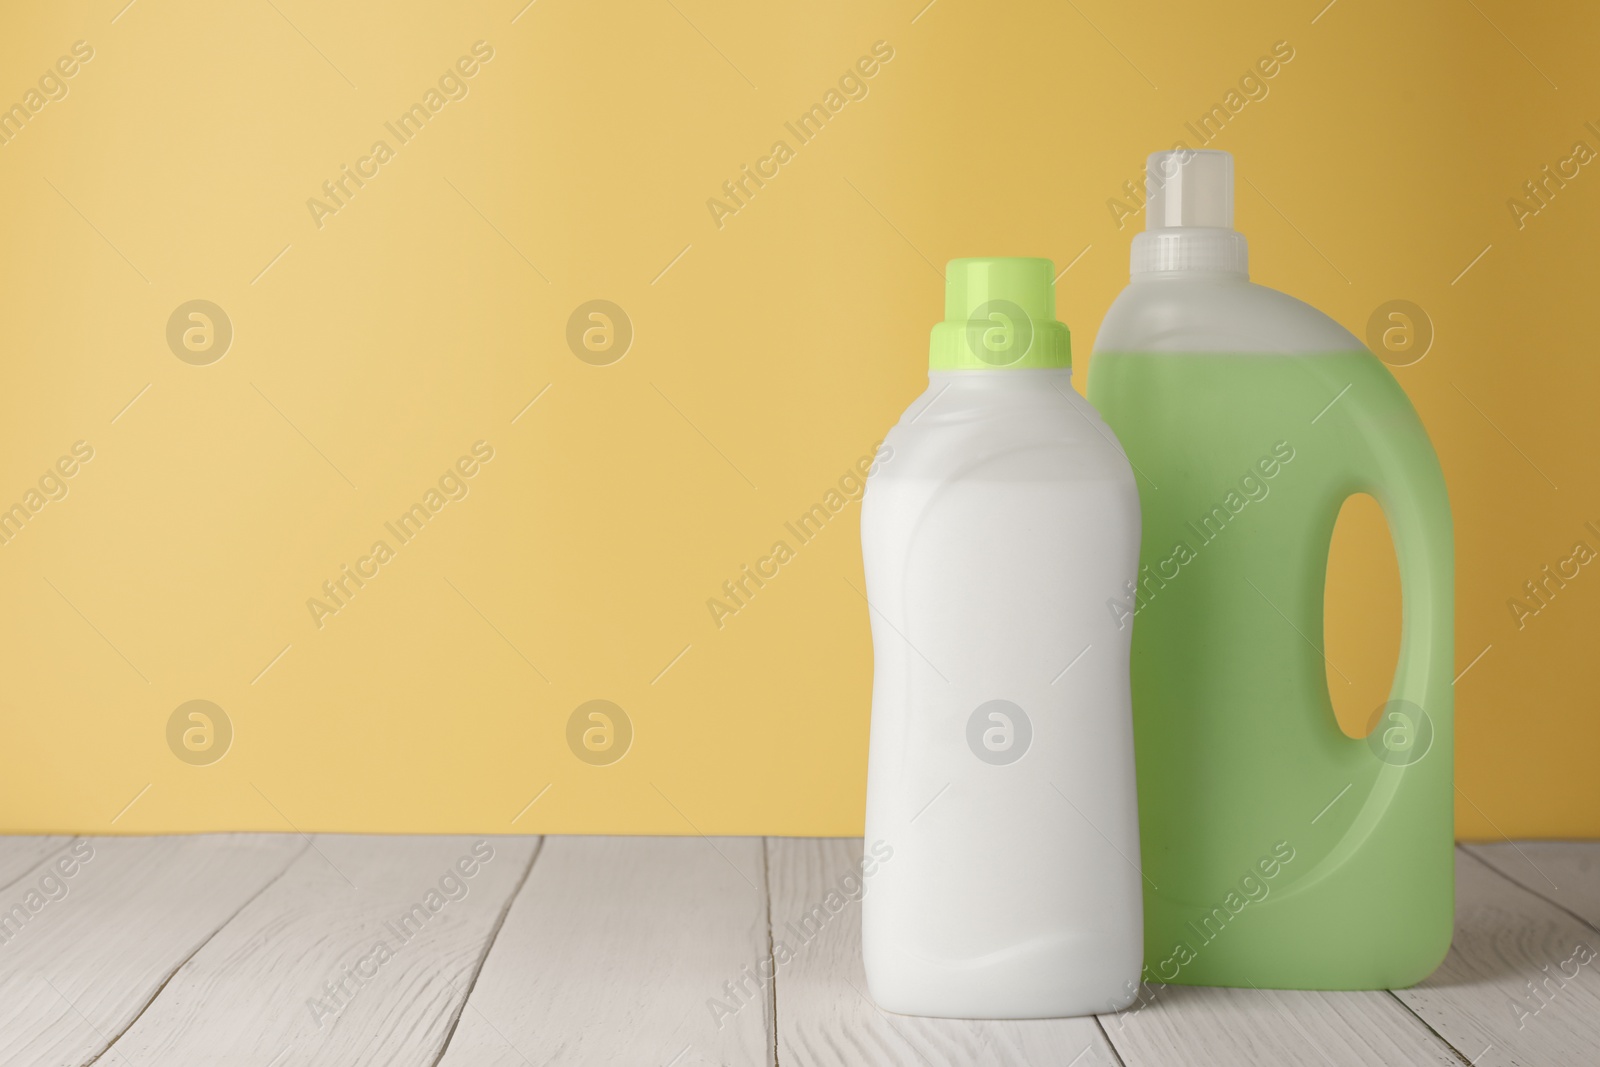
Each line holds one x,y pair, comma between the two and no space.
999,313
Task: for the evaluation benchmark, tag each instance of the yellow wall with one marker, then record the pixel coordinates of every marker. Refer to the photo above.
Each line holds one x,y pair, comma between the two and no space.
374,345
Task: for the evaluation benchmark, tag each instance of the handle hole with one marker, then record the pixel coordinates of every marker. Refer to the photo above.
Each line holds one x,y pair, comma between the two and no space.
1361,615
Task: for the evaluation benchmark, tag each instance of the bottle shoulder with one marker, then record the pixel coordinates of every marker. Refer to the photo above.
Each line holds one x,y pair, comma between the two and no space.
1007,427
1217,315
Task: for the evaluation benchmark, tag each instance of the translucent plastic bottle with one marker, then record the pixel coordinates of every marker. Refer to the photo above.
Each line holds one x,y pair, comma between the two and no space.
1000,781
1280,852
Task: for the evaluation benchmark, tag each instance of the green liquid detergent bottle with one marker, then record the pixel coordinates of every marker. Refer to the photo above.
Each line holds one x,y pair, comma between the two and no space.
1278,851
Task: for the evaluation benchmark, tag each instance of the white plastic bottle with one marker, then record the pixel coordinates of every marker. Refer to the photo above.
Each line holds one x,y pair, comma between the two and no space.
1000,781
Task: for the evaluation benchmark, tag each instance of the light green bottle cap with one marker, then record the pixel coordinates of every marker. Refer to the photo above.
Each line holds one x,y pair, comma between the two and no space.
999,313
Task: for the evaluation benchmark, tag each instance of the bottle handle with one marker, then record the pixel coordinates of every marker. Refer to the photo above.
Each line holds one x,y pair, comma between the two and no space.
1413,732
1402,473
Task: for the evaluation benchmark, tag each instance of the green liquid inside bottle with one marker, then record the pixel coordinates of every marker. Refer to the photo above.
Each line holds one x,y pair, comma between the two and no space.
1278,851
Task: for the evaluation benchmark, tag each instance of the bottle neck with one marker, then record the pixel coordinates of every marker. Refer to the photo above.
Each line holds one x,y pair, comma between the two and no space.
1190,251
983,388
1019,378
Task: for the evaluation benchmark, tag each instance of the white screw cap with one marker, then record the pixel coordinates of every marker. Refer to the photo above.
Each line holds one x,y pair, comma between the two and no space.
1189,187
1189,215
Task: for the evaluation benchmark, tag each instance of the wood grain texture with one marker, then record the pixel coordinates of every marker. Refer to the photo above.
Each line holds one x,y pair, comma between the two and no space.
362,953
1202,1026
1566,873
262,951
19,855
613,949
825,1018
1514,989
79,968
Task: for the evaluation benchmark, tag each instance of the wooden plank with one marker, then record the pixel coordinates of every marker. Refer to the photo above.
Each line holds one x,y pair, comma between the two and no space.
1564,872
613,949
104,937
1202,1026
19,855
362,953
825,1017
1522,982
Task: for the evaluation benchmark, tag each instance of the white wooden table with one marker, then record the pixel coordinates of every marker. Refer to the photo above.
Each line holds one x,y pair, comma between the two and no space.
277,950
